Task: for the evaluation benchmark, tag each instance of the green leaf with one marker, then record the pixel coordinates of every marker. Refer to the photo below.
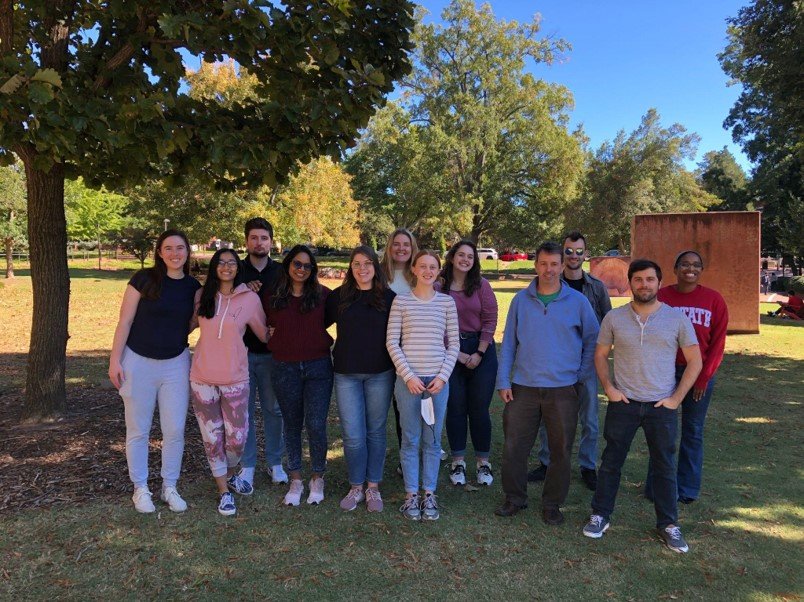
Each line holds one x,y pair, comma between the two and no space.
48,76
12,84
40,93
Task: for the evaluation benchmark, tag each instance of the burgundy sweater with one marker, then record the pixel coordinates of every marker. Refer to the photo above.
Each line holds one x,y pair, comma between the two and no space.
299,337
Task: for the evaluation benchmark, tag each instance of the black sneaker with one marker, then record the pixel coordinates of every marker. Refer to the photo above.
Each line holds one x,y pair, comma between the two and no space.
589,477
537,474
596,527
686,500
673,539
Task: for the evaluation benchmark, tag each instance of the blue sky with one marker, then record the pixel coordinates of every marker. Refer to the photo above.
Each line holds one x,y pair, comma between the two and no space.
628,56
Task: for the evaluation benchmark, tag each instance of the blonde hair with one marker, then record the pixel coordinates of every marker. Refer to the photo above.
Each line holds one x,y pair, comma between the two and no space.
388,261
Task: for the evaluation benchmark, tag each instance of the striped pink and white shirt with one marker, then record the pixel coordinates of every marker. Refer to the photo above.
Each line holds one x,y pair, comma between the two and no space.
416,333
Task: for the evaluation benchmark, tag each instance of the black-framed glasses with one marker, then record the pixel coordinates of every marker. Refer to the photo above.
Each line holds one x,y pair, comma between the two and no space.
307,267
686,265
578,252
229,263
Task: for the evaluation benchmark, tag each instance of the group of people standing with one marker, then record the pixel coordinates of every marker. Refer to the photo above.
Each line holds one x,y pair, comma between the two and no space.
419,336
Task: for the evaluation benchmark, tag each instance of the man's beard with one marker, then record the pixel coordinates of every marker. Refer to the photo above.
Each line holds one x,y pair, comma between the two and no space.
259,254
641,299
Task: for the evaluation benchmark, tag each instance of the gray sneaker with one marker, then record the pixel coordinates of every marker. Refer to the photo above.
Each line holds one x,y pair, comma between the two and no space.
373,500
410,509
430,507
672,537
596,526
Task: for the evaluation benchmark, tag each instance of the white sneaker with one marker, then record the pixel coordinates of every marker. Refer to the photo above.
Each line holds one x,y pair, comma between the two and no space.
142,500
278,474
293,496
247,474
172,498
316,491
484,474
457,473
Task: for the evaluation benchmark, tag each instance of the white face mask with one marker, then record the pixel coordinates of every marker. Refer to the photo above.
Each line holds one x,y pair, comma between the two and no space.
428,412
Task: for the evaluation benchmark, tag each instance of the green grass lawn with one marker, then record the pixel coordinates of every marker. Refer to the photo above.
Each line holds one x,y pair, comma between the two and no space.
745,532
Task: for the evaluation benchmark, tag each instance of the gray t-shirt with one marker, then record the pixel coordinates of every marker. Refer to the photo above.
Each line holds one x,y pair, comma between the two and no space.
645,353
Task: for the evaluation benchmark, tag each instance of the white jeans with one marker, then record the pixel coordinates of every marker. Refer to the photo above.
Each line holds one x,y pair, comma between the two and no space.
148,381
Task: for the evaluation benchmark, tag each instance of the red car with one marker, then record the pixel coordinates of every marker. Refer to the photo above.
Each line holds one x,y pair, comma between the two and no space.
513,256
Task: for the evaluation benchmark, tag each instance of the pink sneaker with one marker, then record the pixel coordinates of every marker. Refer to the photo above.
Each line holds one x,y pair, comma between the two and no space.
373,500
352,499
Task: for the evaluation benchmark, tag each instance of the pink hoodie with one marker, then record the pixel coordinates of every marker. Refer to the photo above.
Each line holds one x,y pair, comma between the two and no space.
220,356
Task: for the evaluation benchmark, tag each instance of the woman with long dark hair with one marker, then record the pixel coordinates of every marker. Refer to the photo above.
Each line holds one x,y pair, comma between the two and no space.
150,363
219,375
364,373
420,323
302,374
471,385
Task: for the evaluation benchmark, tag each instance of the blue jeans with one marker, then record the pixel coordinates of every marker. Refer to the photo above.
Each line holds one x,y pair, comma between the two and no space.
260,367
661,427
587,414
690,451
363,401
470,393
416,435
303,390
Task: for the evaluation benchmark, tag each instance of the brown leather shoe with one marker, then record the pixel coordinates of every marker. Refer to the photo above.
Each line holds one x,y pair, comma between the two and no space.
552,516
509,509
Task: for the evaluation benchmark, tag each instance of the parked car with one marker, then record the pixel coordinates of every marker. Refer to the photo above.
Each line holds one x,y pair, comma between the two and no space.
513,255
487,254
612,253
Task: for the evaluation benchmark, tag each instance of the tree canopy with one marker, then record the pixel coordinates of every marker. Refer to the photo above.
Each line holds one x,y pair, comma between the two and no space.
764,54
640,172
95,90
488,138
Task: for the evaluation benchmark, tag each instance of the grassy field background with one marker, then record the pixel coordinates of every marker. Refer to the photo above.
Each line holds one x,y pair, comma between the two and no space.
746,531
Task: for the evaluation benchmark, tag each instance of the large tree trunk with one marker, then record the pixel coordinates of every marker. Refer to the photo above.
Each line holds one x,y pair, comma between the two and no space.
45,395
9,258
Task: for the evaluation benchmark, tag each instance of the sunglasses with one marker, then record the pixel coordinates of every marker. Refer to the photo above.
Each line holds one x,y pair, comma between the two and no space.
307,267
578,252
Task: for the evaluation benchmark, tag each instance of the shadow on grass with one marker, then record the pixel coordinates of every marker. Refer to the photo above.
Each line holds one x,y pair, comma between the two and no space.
86,368
767,320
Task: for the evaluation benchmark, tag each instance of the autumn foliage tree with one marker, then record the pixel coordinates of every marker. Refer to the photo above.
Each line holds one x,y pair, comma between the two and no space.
95,90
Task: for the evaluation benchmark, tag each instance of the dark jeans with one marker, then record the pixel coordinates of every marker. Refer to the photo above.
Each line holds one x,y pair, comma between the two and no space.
470,393
303,390
660,426
558,408
690,451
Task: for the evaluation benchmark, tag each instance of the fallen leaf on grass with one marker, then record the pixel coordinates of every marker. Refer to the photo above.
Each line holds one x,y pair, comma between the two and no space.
468,487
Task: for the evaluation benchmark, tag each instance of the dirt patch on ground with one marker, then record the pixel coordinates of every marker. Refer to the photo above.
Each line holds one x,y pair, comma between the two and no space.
80,457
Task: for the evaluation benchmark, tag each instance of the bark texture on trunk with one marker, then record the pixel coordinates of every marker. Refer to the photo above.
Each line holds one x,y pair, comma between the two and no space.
45,395
9,258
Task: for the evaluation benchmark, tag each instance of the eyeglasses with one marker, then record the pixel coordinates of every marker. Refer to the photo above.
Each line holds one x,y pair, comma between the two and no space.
578,252
685,265
230,263
307,267
362,266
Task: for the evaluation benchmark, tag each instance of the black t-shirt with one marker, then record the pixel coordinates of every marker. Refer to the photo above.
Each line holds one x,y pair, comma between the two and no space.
268,277
160,327
576,284
360,344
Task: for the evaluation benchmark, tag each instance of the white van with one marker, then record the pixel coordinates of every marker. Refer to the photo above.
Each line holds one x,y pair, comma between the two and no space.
487,254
